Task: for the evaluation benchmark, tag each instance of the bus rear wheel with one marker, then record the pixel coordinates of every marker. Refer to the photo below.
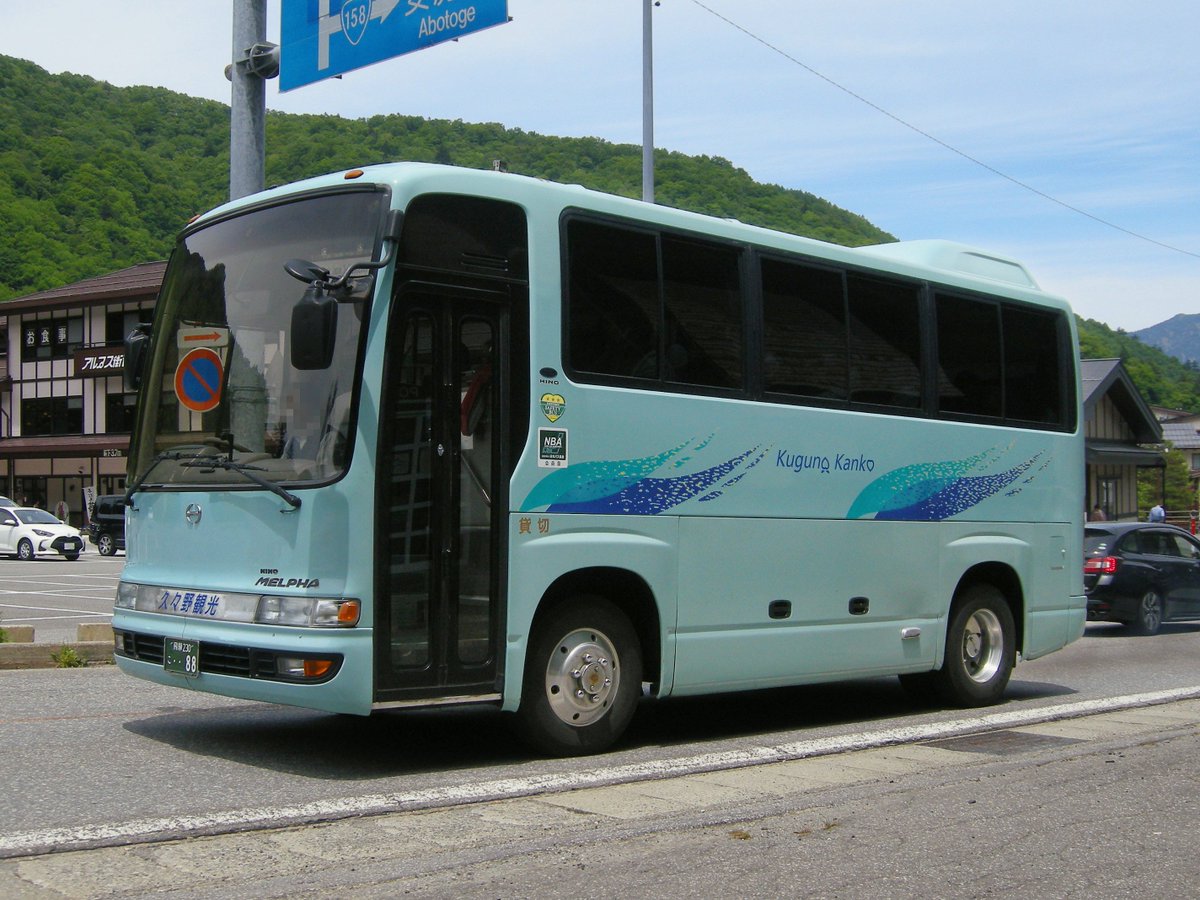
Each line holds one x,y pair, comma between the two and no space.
980,649
583,676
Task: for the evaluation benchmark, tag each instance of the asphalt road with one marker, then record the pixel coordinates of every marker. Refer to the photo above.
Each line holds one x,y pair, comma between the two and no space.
1099,805
56,596
92,746
94,760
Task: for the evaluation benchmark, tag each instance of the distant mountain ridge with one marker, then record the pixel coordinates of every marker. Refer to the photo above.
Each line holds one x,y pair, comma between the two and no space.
1179,336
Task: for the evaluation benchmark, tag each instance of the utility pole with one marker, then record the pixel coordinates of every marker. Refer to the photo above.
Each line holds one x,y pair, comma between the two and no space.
254,61
648,100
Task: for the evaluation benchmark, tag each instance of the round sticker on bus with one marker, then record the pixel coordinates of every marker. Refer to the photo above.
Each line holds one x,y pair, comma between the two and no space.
198,379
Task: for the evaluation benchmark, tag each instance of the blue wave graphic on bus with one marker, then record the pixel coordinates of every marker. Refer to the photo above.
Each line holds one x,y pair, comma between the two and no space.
936,491
628,486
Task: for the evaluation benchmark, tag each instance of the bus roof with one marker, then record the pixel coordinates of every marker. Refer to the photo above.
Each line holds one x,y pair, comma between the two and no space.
938,260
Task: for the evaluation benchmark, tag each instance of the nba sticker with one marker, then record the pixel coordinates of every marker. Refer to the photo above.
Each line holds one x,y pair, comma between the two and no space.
553,406
552,448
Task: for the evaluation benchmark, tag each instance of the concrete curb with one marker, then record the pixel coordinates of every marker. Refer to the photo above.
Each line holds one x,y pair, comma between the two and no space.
94,646
41,656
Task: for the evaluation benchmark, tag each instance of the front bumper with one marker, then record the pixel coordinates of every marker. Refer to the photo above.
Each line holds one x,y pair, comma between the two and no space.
63,545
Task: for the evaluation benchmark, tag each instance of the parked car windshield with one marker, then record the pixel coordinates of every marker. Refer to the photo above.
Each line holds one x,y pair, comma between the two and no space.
221,366
36,517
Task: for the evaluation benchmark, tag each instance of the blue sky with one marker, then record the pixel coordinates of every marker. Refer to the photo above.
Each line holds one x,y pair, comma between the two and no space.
1094,104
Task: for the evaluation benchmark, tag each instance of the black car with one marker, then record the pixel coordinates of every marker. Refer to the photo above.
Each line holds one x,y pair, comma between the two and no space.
107,531
1141,574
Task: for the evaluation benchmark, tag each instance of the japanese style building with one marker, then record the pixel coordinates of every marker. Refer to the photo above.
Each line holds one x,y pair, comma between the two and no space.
65,416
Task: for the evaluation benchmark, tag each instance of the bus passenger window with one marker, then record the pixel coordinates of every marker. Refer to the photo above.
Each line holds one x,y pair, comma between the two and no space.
885,342
703,298
1033,381
968,333
804,331
613,308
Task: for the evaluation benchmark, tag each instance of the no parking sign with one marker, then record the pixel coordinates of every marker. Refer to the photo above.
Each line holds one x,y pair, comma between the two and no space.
198,379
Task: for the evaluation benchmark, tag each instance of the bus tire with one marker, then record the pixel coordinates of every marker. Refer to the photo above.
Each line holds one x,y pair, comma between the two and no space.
980,649
583,677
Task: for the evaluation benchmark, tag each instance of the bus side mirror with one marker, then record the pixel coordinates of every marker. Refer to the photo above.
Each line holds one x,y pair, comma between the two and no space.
314,330
137,343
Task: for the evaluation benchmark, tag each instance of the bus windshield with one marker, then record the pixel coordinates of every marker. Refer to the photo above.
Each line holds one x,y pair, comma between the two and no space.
232,402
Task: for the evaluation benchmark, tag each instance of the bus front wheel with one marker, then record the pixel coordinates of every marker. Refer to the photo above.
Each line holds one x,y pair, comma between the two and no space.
980,649
583,676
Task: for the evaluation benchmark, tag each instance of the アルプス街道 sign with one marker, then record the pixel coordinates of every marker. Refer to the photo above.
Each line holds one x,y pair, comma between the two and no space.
324,38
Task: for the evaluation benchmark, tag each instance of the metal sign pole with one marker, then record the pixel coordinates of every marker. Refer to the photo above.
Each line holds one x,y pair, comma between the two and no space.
254,61
647,101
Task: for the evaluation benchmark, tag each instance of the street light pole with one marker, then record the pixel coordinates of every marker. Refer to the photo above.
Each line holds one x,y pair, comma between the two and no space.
648,101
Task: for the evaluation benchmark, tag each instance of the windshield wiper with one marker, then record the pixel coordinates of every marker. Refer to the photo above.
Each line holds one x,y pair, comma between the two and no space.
212,463
135,486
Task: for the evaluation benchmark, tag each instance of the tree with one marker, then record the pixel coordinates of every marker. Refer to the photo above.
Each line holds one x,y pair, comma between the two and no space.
1172,488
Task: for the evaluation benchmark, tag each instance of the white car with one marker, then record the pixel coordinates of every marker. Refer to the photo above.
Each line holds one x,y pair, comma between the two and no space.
29,532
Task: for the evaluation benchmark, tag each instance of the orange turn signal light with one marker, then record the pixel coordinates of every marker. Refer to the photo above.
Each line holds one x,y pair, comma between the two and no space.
315,668
348,613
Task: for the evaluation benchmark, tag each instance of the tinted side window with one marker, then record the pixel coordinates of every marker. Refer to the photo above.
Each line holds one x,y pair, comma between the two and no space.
612,295
1033,386
703,298
467,234
885,342
804,331
969,379
630,316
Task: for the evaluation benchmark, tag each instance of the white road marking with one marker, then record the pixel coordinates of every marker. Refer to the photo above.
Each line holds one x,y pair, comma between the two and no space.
65,609
117,833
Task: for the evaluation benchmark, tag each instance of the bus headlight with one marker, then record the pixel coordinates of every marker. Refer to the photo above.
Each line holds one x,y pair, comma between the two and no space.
127,594
312,611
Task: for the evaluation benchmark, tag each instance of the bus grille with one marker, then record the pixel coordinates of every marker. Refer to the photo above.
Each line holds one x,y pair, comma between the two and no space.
215,659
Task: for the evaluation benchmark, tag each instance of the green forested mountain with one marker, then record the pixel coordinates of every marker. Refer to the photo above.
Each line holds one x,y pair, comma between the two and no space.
1162,379
94,178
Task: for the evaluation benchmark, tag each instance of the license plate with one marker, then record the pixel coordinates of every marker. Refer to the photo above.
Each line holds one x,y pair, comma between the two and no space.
181,657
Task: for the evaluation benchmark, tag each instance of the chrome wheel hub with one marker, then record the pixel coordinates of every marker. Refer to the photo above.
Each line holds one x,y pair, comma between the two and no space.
582,677
983,646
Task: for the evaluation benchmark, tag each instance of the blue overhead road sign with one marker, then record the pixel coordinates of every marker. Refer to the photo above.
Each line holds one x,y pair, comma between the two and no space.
323,38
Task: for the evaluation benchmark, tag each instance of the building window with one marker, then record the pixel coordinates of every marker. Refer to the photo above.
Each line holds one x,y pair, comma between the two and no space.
119,323
119,410
55,338
52,415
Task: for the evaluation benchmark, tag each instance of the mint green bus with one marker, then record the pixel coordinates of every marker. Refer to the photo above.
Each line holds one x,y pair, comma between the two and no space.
414,435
